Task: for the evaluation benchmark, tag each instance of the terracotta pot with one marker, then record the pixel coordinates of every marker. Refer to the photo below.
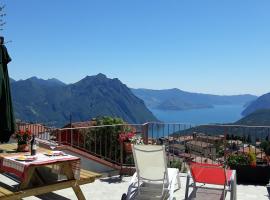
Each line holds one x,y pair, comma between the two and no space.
23,148
253,164
127,147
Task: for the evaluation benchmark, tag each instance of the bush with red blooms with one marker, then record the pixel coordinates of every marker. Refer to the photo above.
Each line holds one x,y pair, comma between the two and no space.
23,137
126,137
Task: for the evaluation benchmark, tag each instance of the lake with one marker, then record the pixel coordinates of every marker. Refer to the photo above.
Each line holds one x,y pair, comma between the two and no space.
218,114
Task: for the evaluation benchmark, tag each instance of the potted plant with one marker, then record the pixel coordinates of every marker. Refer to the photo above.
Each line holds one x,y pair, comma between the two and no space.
247,170
176,164
23,138
129,138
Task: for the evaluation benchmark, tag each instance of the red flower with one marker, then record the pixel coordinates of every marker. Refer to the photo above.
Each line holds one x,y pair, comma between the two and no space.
122,137
21,132
126,137
28,132
130,135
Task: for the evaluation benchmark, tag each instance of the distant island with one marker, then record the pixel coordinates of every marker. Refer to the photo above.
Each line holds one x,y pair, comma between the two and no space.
176,99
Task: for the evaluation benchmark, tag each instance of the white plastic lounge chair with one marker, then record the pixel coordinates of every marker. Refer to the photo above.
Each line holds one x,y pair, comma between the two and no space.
214,176
152,179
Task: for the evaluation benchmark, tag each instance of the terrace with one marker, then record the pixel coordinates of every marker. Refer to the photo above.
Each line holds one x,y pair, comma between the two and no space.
100,150
113,188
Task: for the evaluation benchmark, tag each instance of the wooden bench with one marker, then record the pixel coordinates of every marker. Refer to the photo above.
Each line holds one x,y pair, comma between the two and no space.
85,177
6,193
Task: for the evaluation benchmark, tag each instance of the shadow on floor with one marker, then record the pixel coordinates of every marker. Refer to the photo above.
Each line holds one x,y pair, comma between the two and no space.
51,196
115,179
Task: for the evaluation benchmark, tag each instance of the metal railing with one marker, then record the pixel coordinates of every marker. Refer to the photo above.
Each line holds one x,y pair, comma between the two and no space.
39,130
184,142
100,141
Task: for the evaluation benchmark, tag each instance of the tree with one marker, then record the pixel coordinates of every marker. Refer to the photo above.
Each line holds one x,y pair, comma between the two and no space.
102,140
2,15
248,139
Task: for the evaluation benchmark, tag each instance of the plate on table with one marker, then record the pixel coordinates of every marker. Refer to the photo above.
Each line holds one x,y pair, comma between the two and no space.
55,153
26,158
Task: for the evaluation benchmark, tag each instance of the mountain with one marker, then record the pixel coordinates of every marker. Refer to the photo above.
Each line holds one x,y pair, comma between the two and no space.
48,82
263,102
52,102
55,81
11,80
175,99
257,118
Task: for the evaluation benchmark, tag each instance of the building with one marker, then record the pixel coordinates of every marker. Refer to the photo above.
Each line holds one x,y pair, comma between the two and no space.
217,140
201,148
72,132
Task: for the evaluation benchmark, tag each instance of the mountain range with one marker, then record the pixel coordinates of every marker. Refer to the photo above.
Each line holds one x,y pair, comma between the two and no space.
176,99
259,117
263,102
54,102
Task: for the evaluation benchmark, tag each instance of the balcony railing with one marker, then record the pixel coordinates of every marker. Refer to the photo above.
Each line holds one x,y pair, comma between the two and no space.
184,142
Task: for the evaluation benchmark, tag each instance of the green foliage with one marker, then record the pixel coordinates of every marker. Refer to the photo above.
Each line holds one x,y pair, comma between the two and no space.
240,159
176,164
235,137
107,120
265,145
185,169
103,141
220,152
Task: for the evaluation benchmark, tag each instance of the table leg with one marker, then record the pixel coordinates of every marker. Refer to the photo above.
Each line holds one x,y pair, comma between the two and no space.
24,184
67,170
76,188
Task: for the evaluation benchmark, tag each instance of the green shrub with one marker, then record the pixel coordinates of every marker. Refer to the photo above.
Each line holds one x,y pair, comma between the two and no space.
265,145
240,159
176,164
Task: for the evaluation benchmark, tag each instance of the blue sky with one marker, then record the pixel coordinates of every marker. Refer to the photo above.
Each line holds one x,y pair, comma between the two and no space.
210,46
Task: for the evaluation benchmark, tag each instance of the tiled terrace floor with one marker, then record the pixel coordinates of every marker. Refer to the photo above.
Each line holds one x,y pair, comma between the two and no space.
113,188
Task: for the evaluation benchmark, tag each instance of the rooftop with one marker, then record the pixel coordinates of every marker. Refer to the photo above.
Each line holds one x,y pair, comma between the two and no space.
113,188
199,143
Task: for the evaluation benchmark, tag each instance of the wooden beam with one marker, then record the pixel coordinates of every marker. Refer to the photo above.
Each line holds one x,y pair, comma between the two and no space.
40,190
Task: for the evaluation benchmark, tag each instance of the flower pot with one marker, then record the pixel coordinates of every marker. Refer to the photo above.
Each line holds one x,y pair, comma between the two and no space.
127,147
268,189
23,148
259,174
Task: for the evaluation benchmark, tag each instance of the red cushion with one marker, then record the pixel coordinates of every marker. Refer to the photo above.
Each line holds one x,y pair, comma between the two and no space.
209,173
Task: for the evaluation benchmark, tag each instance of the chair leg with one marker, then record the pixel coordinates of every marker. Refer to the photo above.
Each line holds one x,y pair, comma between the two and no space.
224,192
129,192
187,187
171,188
178,181
233,188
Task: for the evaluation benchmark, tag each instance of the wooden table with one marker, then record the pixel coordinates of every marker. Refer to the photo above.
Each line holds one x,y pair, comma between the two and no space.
36,184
